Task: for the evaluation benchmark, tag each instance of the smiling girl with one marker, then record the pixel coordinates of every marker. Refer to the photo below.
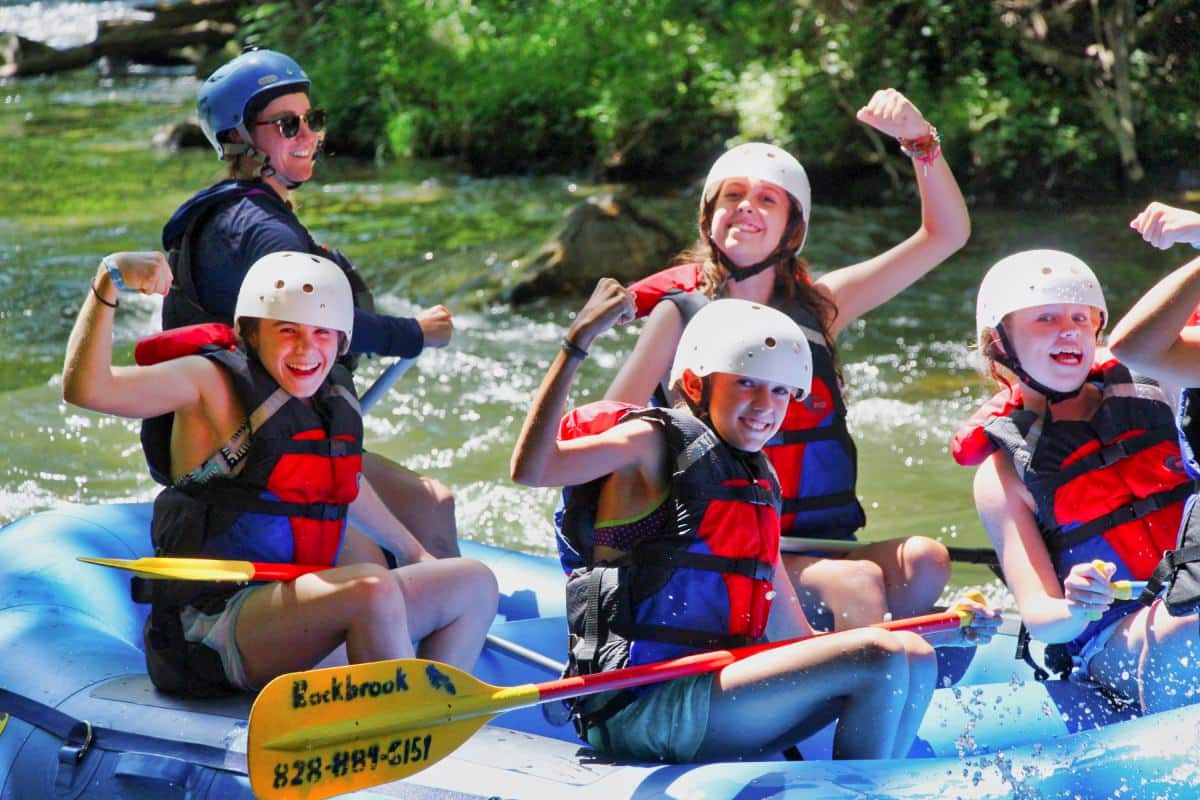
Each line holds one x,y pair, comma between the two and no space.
257,113
1080,480
263,446
754,220
671,539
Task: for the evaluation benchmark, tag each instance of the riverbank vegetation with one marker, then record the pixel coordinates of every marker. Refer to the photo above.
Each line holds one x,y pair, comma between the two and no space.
1036,100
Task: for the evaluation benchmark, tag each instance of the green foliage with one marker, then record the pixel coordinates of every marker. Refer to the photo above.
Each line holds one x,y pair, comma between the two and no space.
655,88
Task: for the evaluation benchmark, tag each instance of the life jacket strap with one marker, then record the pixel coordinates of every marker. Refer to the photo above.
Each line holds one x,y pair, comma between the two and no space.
1112,453
1060,540
244,500
794,505
661,553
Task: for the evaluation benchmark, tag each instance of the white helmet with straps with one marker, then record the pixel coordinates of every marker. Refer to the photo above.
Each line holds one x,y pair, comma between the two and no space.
298,287
1036,278
764,162
747,339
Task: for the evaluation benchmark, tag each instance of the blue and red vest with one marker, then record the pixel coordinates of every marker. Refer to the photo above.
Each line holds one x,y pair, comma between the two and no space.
814,456
277,492
1109,488
703,582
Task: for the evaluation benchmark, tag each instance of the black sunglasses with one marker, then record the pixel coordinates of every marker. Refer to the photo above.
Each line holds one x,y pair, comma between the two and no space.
289,123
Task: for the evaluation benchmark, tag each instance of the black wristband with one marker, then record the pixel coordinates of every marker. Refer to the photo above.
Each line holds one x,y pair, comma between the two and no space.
573,350
99,297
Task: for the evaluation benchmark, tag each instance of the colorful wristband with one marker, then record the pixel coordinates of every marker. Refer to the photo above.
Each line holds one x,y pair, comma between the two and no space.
114,272
925,148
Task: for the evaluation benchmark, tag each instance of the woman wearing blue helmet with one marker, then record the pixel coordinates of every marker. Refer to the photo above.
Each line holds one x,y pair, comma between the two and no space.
256,113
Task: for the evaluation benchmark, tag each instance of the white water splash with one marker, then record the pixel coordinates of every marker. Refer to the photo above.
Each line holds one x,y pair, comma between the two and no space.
63,24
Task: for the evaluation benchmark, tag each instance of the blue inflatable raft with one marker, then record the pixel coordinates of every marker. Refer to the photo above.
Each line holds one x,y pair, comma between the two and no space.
85,722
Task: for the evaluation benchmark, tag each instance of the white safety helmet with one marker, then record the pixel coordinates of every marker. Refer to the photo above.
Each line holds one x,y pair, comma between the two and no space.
747,339
765,162
1036,278
298,287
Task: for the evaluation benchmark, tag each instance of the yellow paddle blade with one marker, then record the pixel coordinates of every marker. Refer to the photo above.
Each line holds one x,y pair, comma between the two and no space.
330,731
184,569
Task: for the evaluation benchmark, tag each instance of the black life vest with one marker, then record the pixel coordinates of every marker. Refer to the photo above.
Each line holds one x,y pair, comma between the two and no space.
704,582
1109,488
814,456
284,499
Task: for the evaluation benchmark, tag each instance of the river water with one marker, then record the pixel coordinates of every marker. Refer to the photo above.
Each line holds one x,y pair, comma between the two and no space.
81,179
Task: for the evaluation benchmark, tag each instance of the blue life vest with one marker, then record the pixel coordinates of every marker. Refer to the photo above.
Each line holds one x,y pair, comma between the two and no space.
704,582
813,453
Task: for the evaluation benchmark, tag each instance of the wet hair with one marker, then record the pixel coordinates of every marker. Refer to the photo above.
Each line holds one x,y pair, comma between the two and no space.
792,278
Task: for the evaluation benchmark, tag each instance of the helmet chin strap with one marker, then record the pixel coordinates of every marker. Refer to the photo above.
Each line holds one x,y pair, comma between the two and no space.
777,255
265,170
1010,361
742,273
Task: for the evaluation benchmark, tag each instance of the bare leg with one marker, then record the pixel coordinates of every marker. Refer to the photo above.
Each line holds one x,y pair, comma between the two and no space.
288,626
922,680
915,571
1153,657
452,603
423,505
357,548
863,677
851,589
901,576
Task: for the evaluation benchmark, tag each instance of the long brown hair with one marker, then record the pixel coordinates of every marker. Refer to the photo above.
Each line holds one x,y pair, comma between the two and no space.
792,278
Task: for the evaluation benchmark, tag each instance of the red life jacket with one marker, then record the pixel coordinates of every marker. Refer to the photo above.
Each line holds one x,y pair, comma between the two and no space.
1109,488
278,491
1115,477
813,453
703,582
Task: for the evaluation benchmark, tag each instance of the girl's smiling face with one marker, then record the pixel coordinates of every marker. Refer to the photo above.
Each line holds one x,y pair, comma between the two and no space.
298,356
746,412
1055,343
749,218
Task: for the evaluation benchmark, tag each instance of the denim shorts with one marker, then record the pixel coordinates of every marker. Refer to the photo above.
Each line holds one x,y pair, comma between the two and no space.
667,722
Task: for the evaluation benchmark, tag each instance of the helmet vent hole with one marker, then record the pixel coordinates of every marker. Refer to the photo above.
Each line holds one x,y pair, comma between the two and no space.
1047,270
307,288
769,342
279,284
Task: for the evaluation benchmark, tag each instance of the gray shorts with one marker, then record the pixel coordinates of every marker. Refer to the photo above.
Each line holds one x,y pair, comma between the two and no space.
218,631
666,723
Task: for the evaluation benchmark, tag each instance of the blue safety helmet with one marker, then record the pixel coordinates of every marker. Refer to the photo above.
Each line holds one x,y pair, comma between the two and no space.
240,88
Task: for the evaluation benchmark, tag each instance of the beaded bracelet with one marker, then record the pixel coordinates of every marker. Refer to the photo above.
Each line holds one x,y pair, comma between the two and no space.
924,148
100,297
573,350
